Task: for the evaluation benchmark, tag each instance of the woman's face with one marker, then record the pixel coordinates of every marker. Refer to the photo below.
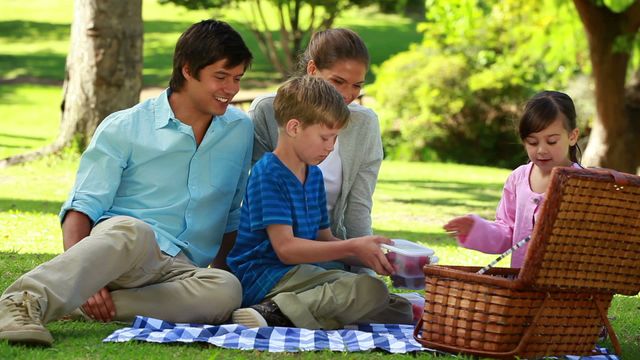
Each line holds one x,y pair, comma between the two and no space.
347,76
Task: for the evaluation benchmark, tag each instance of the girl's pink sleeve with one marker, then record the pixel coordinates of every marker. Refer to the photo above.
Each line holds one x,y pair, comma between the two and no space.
494,237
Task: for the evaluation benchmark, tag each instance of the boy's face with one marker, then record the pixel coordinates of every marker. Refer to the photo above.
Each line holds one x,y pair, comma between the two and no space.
314,143
214,87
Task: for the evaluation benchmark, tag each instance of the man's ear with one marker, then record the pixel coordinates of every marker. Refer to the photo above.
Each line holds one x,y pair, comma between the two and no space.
573,136
186,72
293,127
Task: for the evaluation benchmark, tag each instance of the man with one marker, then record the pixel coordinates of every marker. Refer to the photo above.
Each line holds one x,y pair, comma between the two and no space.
156,200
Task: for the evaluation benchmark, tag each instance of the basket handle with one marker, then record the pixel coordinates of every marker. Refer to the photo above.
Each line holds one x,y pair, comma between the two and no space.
496,354
617,176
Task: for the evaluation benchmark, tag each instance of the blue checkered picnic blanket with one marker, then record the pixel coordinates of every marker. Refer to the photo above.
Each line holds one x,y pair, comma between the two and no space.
393,338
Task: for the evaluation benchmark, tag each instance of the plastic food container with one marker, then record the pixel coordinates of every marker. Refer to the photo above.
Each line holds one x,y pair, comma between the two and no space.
408,258
413,283
417,303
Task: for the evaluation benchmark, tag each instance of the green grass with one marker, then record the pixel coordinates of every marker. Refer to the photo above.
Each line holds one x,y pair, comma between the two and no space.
412,201
30,117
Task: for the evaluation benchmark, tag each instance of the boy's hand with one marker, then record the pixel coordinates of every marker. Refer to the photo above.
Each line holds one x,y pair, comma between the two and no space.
460,226
367,249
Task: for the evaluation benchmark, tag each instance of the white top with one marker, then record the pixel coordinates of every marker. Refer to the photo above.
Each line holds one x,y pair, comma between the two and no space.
332,173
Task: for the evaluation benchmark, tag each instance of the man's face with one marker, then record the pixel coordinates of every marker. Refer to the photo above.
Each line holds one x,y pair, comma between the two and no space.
214,87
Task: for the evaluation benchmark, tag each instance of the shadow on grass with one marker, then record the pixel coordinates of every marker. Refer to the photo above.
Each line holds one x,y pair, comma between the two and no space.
32,31
35,66
13,265
31,206
14,146
16,136
441,239
488,193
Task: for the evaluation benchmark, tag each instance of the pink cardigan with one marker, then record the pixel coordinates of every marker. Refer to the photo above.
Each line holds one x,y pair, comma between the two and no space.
515,216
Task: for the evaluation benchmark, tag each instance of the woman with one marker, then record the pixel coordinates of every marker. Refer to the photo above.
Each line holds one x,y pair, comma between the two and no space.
351,170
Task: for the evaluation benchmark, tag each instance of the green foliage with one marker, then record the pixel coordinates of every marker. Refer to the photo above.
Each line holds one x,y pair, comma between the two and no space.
617,6
293,20
459,91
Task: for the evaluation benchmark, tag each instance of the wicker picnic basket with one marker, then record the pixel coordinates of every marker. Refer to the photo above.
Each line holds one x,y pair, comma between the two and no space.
585,248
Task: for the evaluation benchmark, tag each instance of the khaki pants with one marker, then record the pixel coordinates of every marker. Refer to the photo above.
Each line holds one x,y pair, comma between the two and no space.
122,254
315,298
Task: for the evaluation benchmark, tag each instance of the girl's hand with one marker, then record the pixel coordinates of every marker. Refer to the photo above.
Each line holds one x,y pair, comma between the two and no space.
460,226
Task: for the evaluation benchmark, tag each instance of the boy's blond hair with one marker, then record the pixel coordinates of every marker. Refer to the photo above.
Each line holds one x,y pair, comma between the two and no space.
311,100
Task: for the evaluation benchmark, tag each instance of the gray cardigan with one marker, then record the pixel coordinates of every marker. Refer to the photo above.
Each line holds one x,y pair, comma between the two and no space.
361,155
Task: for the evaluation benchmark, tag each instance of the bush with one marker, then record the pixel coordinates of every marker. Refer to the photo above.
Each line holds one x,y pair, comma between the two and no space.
456,96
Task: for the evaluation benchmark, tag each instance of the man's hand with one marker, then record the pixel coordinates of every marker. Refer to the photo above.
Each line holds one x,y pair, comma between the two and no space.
100,306
367,249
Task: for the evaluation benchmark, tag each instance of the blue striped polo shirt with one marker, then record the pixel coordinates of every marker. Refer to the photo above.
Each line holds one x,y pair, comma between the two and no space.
274,196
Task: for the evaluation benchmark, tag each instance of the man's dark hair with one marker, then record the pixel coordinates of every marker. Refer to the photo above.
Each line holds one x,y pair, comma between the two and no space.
205,43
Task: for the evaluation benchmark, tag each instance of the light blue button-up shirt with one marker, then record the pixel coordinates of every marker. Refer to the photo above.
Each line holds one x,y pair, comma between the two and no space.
143,162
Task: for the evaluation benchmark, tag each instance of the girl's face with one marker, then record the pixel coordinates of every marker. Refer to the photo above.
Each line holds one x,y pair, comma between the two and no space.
347,76
549,147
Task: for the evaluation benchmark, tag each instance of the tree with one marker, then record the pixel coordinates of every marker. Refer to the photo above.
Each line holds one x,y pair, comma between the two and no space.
296,21
103,72
611,31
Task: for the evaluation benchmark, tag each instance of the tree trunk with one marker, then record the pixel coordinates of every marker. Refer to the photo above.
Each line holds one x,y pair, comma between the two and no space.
614,139
104,66
103,72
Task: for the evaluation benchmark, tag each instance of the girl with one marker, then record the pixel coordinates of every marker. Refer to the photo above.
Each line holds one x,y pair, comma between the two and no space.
549,133
350,172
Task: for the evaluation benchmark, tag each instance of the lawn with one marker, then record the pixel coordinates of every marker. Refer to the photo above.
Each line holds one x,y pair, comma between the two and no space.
412,201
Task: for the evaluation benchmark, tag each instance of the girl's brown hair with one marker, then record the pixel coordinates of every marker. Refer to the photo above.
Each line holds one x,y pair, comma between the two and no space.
543,109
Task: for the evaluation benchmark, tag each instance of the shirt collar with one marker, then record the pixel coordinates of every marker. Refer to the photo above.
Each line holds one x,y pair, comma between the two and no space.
164,114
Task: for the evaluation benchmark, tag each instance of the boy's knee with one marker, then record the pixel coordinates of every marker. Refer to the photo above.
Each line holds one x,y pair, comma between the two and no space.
374,288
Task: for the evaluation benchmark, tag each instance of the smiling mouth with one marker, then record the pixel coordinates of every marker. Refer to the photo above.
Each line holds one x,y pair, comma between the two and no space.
222,99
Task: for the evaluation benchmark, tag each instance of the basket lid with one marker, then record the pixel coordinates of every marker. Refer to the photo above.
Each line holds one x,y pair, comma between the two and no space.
588,233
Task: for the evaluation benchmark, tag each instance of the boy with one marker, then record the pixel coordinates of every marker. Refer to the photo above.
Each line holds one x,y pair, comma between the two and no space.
285,229
156,200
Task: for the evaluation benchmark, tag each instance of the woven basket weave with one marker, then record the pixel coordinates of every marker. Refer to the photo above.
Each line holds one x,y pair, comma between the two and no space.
585,248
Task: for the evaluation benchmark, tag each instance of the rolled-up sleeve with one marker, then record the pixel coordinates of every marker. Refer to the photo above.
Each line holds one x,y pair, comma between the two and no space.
99,173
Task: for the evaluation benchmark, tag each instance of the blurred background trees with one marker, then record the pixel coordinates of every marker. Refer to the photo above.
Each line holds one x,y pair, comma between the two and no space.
296,21
455,96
